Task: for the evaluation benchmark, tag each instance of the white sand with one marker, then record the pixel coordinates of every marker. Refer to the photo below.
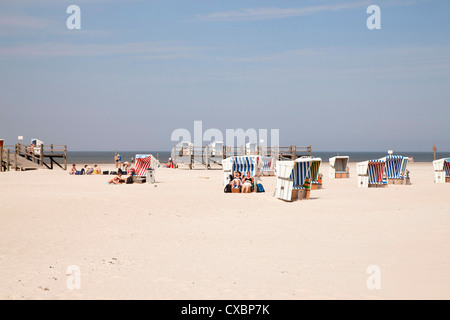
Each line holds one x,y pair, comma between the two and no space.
186,239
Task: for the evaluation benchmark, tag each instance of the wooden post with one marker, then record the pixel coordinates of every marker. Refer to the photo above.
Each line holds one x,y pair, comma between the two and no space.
207,157
15,160
175,153
41,155
190,156
8,162
1,158
434,151
224,152
65,157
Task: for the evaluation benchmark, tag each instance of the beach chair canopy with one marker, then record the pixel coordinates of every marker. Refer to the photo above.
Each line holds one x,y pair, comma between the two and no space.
395,166
313,173
376,171
37,142
442,165
447,167
373,168
144,162
245,163
291,175
297,171
339,163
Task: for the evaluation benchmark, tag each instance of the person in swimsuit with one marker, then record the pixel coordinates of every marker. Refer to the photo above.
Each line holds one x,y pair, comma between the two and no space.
97,170
117,179
247,183
73,170
236,183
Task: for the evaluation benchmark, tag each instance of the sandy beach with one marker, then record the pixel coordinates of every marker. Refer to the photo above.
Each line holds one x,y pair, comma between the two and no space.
183,238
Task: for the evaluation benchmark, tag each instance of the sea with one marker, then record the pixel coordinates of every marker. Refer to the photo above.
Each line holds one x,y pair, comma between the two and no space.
104,157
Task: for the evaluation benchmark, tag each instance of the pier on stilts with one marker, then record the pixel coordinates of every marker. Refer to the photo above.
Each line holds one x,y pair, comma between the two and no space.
21,158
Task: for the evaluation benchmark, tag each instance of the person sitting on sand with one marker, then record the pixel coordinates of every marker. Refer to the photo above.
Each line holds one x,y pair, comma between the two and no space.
247,183
126,165
236,183
73,170
117,179
89,170
97,170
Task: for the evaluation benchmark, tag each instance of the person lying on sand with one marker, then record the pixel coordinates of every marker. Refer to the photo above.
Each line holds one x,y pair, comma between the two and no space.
89,170
117,179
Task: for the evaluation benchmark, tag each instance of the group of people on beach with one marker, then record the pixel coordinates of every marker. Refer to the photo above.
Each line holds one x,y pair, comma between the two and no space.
245,183
85,170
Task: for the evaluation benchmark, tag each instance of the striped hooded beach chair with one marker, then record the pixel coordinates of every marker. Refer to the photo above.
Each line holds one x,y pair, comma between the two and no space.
142,163
441,170
395,166
338,167
376,171
291,176
242,164
313,173
371,173
447,167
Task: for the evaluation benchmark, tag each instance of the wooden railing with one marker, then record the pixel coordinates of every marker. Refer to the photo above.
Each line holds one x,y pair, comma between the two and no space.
35,154
191,154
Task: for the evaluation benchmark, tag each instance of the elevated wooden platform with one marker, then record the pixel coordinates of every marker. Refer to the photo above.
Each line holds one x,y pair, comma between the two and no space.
204,156
22,158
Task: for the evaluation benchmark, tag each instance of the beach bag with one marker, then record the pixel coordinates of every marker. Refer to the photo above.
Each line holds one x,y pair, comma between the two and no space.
129,180
113,172
227,188
105,172
259,188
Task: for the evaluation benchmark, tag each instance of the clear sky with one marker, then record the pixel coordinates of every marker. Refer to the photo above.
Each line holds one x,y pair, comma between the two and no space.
137,70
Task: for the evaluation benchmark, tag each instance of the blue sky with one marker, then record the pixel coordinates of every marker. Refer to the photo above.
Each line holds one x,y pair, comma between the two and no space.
137,70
